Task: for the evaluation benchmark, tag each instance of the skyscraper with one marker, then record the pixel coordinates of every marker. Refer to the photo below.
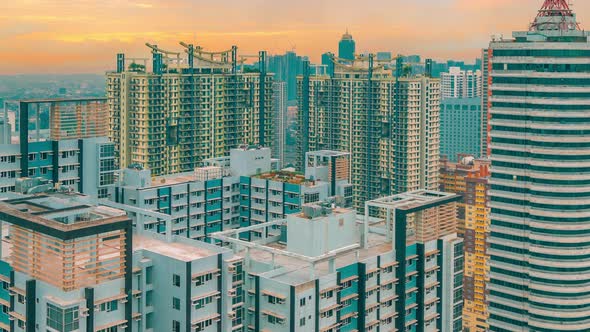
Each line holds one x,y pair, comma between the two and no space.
486,70
279,103
286,68
540,218
460,127
389,125
182,112
458,83
346,47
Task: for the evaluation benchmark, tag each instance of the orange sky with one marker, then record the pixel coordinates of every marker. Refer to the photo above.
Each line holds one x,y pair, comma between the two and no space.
83,36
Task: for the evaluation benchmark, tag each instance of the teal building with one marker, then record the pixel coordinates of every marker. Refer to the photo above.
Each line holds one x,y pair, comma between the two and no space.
540,183
460,127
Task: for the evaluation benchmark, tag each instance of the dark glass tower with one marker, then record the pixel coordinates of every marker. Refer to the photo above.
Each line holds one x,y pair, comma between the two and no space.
346,47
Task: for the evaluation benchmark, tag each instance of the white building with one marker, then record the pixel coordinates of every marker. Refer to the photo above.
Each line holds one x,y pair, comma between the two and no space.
459,83
279,101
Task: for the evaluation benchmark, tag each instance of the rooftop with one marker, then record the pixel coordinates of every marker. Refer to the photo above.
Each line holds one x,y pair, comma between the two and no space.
62,215
294,268
176,249
414,200
284,176
296,272
328,153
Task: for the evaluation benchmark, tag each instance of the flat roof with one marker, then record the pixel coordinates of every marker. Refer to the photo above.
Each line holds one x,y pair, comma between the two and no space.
177,250
298,272
284,176
39,213
329,153
415,200
62,100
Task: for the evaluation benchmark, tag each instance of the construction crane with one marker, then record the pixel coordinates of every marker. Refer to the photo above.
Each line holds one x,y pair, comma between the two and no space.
163,57
220,59
353,66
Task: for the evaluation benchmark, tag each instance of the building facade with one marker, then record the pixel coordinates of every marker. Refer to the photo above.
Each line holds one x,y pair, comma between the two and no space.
323,272
469,177
460,127
458,83
86,165
286,68
486,70
73,151
347,47
239,191
539,185
279,104
134,282
346,278
172,118
391,127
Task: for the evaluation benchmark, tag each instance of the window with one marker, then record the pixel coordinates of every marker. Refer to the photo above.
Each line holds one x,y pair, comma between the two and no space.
274,320
21,299
109,306
65,320
148,275
176,303
175,326
149,298
32,157
302,322
200,280
149,320
176,280
302,302
327,295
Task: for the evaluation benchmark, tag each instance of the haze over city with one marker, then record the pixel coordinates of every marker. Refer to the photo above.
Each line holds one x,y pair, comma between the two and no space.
294,166
58,36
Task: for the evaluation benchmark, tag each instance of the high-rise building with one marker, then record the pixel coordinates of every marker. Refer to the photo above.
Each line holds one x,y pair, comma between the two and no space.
347,47
286,68
469,178
486,103
460,127
540,213
182,112
458,83
389,125
279,103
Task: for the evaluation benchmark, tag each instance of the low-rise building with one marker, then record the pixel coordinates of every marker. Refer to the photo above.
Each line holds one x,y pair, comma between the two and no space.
241,190
87,165
332,270
69,264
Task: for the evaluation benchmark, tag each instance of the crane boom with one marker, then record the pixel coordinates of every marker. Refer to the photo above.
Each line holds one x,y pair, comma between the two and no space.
157,49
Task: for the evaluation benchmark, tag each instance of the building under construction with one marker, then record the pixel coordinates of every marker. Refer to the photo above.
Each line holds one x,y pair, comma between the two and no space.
191,106
389,123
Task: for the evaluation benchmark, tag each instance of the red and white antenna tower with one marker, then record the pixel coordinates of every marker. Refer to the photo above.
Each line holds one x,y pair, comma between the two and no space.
555,15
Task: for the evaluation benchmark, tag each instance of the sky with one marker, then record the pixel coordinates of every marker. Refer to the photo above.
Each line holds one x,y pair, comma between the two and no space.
84,36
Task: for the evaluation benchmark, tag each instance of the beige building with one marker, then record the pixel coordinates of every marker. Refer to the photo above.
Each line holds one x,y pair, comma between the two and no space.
171,118
389,125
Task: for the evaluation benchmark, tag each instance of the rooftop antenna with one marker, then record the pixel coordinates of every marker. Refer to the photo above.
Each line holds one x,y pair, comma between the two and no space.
555,15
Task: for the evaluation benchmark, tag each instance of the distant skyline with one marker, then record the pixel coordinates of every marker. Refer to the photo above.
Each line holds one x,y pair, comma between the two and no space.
83,36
